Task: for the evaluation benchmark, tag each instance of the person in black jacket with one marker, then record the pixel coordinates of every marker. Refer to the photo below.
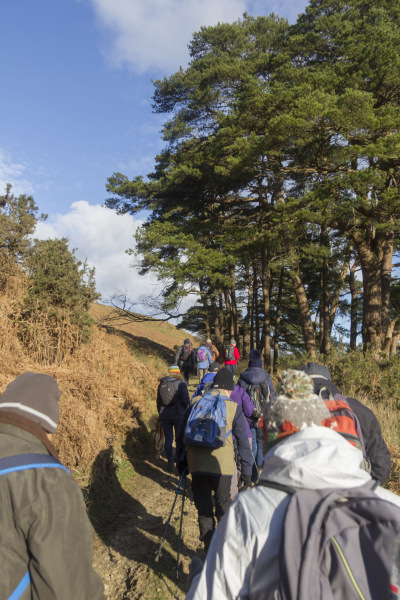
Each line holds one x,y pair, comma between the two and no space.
172,402
376,449
185,359
254,376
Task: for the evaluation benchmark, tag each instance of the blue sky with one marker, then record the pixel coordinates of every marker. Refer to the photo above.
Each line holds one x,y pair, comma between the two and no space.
76,106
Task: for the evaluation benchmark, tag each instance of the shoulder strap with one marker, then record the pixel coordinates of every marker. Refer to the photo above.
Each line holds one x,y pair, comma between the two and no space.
21,462
277,486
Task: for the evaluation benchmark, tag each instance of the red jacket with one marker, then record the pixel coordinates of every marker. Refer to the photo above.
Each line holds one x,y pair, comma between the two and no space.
236,354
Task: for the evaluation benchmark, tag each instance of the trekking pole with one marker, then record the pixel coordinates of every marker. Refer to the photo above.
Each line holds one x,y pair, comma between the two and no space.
180,528
177,492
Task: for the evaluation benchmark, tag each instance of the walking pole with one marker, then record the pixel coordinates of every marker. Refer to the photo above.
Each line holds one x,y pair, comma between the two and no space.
180,528
177,492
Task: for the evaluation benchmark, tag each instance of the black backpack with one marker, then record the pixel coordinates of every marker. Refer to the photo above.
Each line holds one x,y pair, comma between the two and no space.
167,391
230,352
260,395
209,348
185,352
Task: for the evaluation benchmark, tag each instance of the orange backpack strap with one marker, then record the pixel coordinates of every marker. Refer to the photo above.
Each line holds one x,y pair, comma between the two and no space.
344,420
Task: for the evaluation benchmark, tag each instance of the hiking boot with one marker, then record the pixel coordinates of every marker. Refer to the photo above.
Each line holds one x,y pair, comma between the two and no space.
171,467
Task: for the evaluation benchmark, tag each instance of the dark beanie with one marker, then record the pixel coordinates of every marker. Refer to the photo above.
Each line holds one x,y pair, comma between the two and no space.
214,367
34,396
255,359
223,380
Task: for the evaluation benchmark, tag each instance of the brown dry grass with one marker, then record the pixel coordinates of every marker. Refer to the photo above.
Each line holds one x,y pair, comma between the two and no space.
106,384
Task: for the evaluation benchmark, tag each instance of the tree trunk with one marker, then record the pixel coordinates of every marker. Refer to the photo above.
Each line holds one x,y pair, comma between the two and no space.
266,333
248,318
235,316
230,329
374,253
387,345
217,327
353,306
222,320
394,343
278,322
305,316
256,314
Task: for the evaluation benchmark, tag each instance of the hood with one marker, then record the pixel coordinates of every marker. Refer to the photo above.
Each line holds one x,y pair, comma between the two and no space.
254,375
315,370
315,458
171,377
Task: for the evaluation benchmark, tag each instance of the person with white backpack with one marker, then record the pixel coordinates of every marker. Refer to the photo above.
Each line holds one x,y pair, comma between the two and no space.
316,526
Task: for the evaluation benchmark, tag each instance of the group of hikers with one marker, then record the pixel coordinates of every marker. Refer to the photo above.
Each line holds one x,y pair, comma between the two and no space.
314,520
287,483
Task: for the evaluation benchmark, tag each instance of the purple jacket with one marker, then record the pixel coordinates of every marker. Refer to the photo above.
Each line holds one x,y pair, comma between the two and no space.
241,397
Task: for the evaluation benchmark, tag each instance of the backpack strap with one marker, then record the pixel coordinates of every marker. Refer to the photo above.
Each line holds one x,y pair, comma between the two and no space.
22,462
277,486
21,587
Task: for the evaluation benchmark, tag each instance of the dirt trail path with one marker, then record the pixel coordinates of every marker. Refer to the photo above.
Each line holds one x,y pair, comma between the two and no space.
128,538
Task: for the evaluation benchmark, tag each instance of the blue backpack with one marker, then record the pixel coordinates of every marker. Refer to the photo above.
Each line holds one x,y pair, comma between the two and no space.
22,462
207,423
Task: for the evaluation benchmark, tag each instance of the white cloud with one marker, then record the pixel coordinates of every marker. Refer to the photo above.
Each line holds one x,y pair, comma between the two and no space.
154,34
12,172
101,236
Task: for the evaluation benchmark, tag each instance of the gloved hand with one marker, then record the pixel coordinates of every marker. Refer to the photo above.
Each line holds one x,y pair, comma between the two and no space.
244,482
195,568
181,465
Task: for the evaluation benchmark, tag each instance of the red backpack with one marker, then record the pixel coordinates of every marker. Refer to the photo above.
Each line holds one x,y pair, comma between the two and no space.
344,420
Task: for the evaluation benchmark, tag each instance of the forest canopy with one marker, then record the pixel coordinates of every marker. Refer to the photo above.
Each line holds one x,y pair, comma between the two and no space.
276,197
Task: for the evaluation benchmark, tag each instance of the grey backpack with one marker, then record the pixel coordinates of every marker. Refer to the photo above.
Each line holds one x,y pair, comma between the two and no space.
339,544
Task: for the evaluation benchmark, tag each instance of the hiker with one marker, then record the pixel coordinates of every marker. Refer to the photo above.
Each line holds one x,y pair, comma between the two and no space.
46,545
376,449
184,358
213,350
172,402
258,384
240,397
231,356
244,556
212,468
203,360
206,382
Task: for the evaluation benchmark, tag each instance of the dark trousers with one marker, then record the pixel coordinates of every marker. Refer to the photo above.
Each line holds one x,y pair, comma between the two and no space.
169,427
185,370
231,368
210,492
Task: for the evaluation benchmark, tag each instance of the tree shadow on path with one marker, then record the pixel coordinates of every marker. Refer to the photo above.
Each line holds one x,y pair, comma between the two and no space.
131,524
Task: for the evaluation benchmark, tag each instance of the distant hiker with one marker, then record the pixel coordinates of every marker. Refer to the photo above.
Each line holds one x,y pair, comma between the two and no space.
210,457
231,356
258,547
203,360
46,545
375,447
184,357
213,350
258,384
172,402
206,383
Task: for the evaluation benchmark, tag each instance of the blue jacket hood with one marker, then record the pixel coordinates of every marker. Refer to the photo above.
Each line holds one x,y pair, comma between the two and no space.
254,375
